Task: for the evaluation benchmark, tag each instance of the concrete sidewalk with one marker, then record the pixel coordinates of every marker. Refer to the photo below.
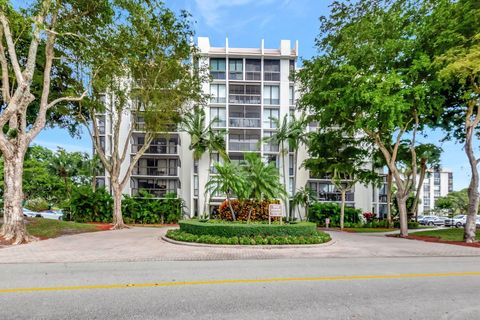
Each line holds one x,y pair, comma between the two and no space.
145,244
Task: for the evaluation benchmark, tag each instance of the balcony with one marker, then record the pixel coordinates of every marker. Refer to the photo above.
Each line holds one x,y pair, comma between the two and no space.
245,122
218,99
159,193
268,147
337,197
218,75
271,76
253,75
235,145
155,171
244,99
141,126
157,149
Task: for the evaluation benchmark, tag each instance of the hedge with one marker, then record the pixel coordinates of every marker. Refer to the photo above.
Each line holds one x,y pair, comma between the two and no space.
179,235
226,229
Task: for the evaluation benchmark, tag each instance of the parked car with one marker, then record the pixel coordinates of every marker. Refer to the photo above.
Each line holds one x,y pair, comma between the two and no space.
433,221
52,214
477,222
457,221
30,214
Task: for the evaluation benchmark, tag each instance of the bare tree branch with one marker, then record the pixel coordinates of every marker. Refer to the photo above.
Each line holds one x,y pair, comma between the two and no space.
12,52
133,162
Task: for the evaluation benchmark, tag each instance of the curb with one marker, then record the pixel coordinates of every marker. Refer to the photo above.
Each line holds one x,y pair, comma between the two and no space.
233,246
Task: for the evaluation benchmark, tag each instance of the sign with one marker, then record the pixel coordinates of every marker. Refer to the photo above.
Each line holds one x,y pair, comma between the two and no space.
275,210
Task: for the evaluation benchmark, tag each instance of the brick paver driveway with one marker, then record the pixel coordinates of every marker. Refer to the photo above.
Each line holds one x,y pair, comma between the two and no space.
142,244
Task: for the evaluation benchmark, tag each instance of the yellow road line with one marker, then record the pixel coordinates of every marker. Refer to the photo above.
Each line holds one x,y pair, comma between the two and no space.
228,281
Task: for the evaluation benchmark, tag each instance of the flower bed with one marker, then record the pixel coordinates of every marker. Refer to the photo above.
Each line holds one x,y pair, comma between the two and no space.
316,238
229,229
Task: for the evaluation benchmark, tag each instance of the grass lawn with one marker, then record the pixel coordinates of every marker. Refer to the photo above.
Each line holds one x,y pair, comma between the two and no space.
452,234
48,228
366,230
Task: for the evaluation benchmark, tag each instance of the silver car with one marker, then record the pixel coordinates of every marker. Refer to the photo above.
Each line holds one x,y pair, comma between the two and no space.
457,221
433,221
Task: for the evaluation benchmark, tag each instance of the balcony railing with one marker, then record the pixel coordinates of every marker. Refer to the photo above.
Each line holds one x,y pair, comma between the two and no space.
219,75
243,146
270,147
156,149
141,126
218,99
155,171
159,193
335,196
245,122
271,101
244,99
235,75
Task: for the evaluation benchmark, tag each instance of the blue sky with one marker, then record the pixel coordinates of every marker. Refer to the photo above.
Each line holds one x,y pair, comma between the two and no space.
246,23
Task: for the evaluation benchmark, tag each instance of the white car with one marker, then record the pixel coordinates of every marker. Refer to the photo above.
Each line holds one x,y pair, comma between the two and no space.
30,214
52,214
457,221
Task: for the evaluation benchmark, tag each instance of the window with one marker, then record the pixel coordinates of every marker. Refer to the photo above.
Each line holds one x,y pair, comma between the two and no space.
291,95
220,117
253,69
218,94
290,186
271,70
217,68
100,182
236,69
271,95
436,177
101,124
269,114
241,94
272,159
291,167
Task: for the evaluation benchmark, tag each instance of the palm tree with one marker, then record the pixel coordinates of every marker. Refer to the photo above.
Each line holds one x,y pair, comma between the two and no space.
203,138
229,180
263,181
288,135
304,197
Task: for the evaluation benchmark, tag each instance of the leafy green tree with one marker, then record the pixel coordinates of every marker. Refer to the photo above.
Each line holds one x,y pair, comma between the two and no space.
341,158
452,35
56,28
66,165
372,79
454,202
203,139
142,66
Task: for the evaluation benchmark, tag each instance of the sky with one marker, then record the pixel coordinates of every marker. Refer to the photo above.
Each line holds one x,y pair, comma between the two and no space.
246,23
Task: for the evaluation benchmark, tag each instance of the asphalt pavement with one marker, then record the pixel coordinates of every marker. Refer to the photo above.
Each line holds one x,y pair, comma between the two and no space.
316,288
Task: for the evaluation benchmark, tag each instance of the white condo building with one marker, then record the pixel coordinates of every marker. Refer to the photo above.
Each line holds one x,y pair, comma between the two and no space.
248,87
437,183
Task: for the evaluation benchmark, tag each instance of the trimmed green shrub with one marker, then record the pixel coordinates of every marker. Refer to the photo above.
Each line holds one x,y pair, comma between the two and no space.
315,238
411,224
319,211
149,210
37,204
228,229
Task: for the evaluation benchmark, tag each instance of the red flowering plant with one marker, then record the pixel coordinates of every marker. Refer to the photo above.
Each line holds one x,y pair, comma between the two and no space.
369,216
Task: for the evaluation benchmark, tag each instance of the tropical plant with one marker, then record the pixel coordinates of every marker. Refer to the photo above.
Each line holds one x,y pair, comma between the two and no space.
303,197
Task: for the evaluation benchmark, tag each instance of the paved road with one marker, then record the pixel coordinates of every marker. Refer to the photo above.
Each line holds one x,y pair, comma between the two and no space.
144,244
318,288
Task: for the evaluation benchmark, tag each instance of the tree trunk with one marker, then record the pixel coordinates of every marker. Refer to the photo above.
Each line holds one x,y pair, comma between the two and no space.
14,227
287,200
342,209
389,197
231,208
473,195
205,204
402,212
423,170
117,207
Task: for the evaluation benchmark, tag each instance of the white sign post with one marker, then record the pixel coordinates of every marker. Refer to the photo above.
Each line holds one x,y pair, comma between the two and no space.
274,210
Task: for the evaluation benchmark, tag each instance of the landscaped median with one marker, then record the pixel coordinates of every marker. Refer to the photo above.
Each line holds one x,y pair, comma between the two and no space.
242,233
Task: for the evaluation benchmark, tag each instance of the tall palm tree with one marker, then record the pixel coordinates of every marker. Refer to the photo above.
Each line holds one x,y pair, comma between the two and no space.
203,138
288,135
